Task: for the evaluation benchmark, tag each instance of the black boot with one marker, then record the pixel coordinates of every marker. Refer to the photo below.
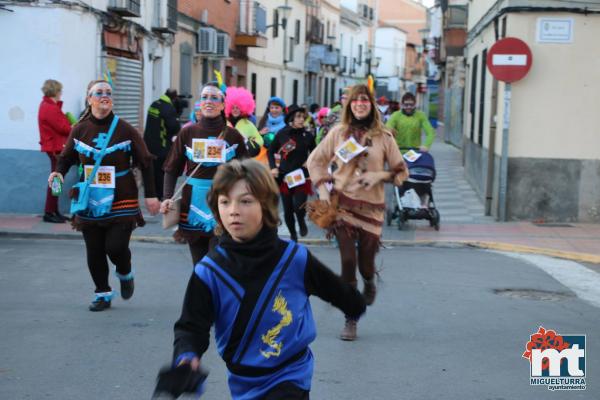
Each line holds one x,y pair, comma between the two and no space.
303,227
127,285
53,218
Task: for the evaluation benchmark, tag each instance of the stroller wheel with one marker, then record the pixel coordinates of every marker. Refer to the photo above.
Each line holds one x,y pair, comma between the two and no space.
435,219
389,216
401,220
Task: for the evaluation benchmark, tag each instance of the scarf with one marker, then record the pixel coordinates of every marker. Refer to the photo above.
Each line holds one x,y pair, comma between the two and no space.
256,256
275,124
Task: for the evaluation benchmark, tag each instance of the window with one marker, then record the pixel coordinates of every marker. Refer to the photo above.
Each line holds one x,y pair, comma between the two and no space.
472,97
297,32
360,49
291,46
253,84
295,91
326,92
273,87
332,91
482,97
503,31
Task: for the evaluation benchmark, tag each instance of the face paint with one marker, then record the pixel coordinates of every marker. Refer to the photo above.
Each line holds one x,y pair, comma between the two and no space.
100,89
211,94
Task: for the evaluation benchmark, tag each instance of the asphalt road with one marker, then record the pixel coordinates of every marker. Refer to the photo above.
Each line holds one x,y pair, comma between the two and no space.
438,328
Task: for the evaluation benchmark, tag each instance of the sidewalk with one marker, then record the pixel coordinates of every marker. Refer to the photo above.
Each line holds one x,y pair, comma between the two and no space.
463,223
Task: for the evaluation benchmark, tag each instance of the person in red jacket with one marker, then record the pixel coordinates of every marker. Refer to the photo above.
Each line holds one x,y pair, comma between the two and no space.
54,130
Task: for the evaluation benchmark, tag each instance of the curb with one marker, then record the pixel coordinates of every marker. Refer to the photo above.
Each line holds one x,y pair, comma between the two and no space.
499,246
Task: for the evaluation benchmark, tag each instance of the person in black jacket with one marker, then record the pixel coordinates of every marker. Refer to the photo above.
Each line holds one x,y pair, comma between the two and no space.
287,158
254,287
162,126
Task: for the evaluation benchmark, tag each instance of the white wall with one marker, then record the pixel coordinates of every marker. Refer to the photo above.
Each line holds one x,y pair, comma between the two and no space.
67,50
390,47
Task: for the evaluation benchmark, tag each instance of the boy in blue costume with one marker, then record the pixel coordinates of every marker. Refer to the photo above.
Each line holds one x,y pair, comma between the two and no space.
254,287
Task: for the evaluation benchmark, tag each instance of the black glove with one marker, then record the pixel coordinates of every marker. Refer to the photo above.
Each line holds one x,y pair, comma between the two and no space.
179,380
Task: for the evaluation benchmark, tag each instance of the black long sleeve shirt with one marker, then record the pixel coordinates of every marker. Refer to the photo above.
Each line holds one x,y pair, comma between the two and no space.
192,330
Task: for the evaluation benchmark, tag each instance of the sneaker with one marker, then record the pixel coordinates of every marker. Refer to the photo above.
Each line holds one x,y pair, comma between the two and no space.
53,218
349,331
127,285
369,291
303,227
100,304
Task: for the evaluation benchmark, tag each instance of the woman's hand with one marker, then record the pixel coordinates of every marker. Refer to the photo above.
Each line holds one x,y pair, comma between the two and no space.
264,131
152,205
52,176
423,149
323,193
370,179
275,172
165,206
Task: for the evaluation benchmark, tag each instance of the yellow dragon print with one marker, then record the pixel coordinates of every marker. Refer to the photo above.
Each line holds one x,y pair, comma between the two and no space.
280,307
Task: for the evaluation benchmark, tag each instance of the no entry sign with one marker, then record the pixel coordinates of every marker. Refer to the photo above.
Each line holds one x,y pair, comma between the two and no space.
509,59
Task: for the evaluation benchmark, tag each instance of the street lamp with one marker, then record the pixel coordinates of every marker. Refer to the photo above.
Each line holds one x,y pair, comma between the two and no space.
283,11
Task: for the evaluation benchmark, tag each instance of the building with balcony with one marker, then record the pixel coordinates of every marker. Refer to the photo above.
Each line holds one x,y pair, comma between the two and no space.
278,69
411,17
532,148
74,43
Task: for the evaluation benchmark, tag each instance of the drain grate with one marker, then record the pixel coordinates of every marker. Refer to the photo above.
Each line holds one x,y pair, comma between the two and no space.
534,294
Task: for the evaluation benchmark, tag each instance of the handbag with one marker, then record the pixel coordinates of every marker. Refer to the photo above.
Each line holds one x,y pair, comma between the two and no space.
171,217
81,190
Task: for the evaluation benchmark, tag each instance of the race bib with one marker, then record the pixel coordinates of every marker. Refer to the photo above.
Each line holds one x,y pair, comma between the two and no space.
209,150
412,156
295,178
105,176
349,149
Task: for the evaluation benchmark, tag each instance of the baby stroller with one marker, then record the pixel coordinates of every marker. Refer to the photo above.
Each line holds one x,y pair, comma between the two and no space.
414,199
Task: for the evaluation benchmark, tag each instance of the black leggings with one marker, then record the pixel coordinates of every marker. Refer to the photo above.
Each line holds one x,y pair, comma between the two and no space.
111,241
293,204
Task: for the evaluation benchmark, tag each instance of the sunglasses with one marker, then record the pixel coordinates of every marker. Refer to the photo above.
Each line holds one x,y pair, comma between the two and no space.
212,99
100,93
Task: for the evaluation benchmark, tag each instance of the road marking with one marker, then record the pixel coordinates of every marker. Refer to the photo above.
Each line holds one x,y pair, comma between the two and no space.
581,280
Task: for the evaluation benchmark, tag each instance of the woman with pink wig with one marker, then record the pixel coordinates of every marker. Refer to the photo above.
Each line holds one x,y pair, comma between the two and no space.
239,106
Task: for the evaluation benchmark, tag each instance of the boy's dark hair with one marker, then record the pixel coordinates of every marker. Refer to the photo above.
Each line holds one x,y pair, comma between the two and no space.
260,183
314,107
408,96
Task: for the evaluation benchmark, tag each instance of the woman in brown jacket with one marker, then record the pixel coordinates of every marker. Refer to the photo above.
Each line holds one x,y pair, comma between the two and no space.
358,148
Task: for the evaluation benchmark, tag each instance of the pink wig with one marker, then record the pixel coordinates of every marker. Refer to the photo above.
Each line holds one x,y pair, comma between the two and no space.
241,97
322,114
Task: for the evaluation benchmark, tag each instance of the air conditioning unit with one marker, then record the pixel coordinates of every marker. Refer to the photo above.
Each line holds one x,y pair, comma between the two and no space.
125,8
207,40
223,44
165,16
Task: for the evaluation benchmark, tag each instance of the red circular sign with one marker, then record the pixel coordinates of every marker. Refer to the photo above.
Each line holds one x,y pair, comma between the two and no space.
509,59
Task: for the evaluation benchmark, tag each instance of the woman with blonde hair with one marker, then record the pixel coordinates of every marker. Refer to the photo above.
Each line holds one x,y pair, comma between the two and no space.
360,147
106,149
